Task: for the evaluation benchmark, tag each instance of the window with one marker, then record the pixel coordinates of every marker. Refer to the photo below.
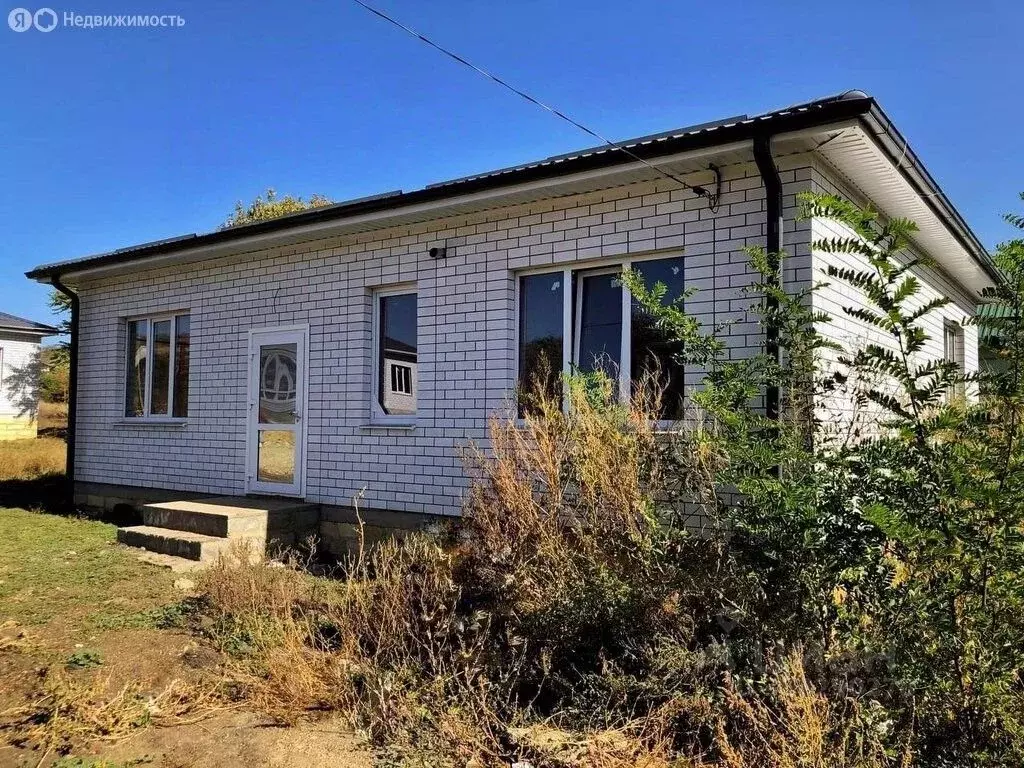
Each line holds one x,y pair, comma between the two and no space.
609,332
395,345
401,379
655,354
540,336
157,367
953,352
598,328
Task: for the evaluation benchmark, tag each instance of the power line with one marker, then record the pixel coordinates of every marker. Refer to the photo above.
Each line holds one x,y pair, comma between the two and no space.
712,198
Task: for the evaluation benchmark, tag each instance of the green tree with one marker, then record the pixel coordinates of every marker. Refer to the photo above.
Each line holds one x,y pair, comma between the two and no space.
270,206
54,375
900,557
60,306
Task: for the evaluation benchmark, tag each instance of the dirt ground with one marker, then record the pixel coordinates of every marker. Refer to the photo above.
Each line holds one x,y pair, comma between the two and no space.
244,739
96,671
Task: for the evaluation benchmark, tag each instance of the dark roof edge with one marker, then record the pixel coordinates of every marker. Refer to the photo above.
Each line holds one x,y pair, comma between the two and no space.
37,329
845,106
795,118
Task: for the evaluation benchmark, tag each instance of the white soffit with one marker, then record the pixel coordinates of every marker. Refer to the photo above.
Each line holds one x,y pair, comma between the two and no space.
856,157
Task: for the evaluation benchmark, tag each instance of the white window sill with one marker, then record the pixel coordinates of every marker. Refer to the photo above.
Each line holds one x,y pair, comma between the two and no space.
150,422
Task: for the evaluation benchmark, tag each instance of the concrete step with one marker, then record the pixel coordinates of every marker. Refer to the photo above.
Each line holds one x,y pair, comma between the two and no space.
185,544
202,529
209,521
225,516
172,563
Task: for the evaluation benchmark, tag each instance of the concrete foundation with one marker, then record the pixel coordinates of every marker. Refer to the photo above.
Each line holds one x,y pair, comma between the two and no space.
278,522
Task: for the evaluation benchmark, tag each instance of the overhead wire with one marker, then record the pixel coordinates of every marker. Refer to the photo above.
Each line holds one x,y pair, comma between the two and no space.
712,197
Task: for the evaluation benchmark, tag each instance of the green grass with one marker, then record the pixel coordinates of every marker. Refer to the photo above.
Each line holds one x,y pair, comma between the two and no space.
171,616
84,658
54,566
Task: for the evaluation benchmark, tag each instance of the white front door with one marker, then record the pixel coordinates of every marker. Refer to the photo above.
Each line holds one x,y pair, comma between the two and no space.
277,403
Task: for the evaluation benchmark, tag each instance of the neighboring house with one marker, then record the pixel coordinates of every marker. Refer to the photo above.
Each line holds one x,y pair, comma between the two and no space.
357,347
19,375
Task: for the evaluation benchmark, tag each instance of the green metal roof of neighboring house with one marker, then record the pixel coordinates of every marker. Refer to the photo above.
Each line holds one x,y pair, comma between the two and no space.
10,322
993,311
989,312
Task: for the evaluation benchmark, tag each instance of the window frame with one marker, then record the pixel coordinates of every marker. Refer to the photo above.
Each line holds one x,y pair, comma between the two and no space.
150,319
571,308
401,379
377,413
959,337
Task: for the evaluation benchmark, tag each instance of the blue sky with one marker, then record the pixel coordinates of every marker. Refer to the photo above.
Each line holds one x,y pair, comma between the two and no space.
112,137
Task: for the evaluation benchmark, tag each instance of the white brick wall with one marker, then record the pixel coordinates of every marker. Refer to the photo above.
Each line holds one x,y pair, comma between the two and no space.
466,333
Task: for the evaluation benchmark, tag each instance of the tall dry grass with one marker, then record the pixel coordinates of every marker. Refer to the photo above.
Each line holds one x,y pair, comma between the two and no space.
563,621
32,458
68,710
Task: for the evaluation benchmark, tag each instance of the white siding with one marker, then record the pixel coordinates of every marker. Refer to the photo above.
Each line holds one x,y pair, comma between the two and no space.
17,354
854,334
467,329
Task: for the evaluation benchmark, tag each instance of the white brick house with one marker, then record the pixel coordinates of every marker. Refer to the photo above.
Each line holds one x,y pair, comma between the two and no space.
272,344
19,371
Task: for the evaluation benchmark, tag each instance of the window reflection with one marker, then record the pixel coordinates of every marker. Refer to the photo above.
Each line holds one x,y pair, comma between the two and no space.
278,383
161,367
397,354
540,338
655,356
135,403
600,323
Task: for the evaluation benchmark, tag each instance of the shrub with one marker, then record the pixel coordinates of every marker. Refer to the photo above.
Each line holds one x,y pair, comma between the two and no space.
851,602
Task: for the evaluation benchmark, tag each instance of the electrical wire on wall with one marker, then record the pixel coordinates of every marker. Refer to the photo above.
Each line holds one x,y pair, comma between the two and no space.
712,197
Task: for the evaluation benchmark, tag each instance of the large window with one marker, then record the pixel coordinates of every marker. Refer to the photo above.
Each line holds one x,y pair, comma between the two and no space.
395,375
609,332
157,367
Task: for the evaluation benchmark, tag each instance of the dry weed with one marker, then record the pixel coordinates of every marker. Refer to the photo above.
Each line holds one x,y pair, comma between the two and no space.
69,710
556,596
31,458
794,725
556,493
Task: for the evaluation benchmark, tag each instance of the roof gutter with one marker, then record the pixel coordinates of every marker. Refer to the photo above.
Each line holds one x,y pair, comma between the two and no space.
72,386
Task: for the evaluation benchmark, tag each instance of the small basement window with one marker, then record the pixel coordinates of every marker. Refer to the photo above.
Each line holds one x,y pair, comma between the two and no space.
157,367
395,350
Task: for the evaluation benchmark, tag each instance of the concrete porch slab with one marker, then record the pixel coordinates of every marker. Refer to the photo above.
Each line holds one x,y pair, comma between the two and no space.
202,529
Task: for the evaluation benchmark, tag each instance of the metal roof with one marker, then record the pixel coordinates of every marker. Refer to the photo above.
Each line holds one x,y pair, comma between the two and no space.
809,115
10,322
